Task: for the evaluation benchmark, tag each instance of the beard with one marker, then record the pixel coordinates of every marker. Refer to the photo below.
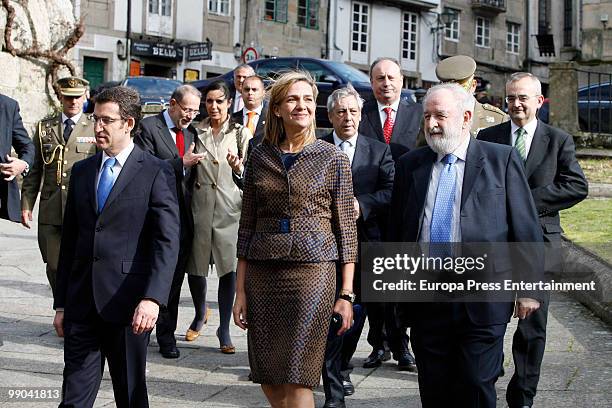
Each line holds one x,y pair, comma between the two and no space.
444,141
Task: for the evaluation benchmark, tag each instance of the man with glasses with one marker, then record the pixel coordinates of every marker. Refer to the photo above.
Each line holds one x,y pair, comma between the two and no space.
118,253
60,141
557,182
170,136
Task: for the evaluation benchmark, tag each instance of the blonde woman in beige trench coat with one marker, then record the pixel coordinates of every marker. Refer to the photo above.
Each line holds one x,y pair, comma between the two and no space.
216,203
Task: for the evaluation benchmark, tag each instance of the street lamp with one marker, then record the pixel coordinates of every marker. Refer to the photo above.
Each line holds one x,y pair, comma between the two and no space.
121,50
444,19
237,51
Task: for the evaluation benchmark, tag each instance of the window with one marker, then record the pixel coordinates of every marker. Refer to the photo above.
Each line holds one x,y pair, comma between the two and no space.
483,32
276,10
513,39
308,13
317,70
409,36
359,29
451,32
160,7
221,7
543,16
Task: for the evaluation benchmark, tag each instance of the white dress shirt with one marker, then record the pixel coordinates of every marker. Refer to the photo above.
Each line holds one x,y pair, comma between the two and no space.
170,124
461,153
75,119
349,145
530,128
256,117
121,159
238,102
383,115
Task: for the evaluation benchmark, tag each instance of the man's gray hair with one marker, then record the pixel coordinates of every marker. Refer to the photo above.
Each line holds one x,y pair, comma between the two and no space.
182,90
464,99
517,76
342,93
246,66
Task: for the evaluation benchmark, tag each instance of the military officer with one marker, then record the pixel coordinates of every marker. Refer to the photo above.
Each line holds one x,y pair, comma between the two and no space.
60,141
461,69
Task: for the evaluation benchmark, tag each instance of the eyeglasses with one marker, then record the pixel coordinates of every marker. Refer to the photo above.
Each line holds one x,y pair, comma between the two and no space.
104,120
521,98
189,112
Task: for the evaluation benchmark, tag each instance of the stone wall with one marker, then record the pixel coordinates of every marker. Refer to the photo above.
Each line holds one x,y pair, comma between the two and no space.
48,23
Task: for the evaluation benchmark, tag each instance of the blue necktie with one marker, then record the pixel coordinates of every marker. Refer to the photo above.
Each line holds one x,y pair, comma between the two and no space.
105,185
442,215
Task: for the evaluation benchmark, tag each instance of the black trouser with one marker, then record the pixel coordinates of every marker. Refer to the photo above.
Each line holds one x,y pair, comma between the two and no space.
458,362
338,354
384,326
168,315
528,344
87,345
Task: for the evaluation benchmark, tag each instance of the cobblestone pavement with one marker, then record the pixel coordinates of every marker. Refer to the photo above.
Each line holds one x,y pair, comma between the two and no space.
577,369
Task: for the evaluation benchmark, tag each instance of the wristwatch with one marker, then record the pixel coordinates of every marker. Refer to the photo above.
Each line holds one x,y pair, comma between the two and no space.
348,296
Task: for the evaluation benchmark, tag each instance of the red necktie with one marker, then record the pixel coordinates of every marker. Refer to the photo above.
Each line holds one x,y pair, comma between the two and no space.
388,127
180,141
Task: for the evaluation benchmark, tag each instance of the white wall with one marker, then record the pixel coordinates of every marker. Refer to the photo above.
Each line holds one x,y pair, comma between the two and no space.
385,35
120,17
189,17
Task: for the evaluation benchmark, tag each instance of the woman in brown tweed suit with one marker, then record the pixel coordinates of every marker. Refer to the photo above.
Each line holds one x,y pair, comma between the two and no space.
297,221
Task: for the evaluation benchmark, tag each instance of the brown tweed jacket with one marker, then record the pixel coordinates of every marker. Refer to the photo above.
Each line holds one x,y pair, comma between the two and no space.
304,214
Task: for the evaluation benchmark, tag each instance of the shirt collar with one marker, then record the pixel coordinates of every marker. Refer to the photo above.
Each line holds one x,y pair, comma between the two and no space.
121,157
394,105
169,123
257,110
75,118
352,140
461,151
530,127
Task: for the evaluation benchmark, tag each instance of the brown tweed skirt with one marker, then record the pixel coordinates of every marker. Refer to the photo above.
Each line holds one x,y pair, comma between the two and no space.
289,306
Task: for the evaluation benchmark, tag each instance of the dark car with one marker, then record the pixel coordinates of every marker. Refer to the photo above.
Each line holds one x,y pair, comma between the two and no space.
154,92
594,108
329,75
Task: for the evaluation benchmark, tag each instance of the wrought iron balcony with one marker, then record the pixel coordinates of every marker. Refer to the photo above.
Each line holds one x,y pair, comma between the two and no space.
490,6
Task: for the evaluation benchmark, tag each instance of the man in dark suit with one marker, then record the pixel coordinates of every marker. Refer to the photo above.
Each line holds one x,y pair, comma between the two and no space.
170,136
241,73
395,122
438,197
557,182
372,169
253,114
12,134
118,253
389,118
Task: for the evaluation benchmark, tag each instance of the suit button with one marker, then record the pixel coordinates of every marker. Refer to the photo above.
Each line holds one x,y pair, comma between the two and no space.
64,175
197,184
65,161
215,162
63,187
214,185
96,259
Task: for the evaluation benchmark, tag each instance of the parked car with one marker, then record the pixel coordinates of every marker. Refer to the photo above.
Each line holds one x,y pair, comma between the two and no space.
155,92
594,108
329,75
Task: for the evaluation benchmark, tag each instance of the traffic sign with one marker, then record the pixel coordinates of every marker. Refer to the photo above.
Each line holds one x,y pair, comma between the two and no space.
250,54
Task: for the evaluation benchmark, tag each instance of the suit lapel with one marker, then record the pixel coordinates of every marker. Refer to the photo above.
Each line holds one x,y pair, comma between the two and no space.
91,176
537,151
362,152
401,116
373,117
130,169
473,167
420,178
164,134
505,137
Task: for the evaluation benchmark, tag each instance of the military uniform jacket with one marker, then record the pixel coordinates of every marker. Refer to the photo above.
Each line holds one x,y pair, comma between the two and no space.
52,166
485,116
304,214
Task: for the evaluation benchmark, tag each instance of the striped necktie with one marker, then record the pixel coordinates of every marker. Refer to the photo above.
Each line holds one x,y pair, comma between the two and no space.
519,144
